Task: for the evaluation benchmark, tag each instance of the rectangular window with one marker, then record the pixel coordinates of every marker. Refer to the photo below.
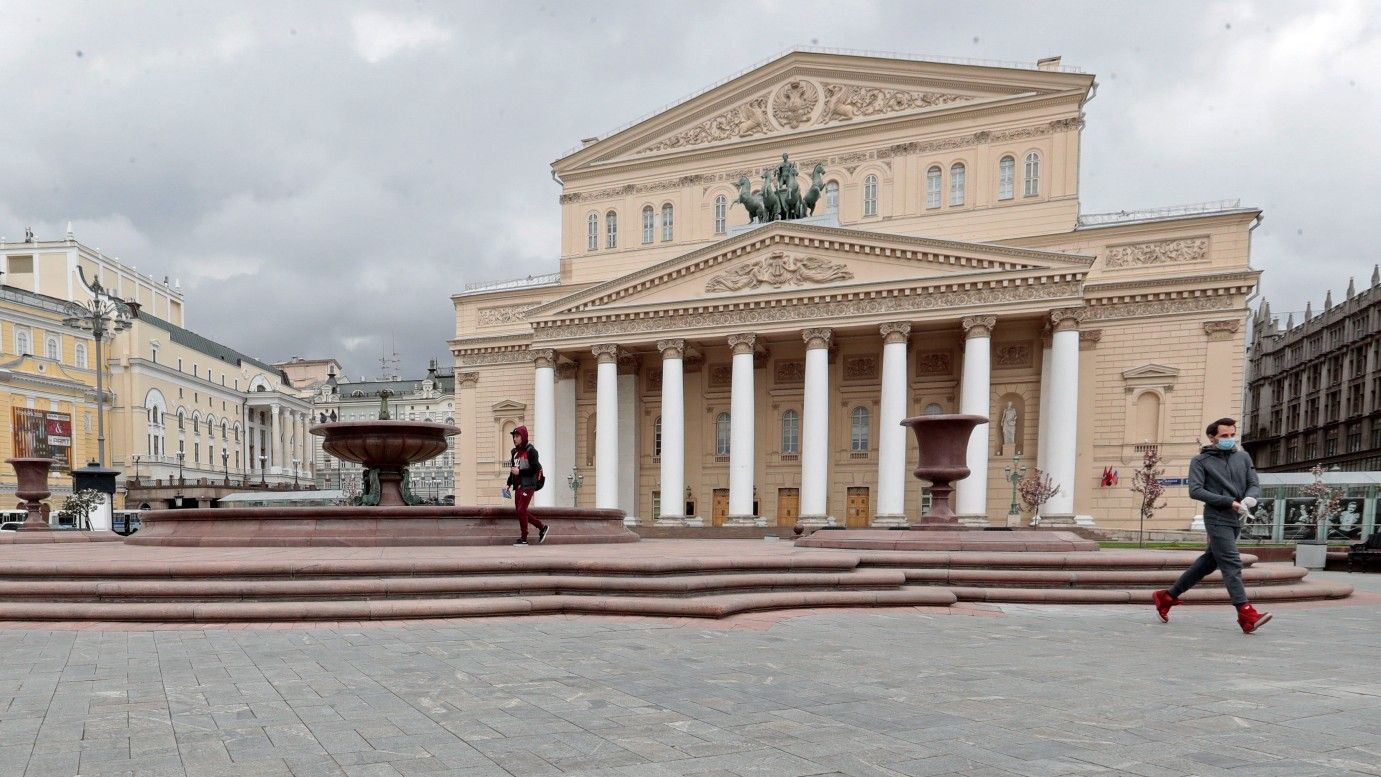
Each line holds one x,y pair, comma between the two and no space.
932,188
956,185
1006,178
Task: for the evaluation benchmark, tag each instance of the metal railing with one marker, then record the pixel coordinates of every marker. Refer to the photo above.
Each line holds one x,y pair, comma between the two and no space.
543,279
1146,214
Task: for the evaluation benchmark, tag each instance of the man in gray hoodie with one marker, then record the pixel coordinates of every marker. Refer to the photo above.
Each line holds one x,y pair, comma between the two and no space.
1221,476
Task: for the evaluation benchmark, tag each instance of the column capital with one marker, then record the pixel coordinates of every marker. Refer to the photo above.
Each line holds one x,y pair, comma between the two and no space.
1065,319
467,378
565,370
979,326
605,352
628,364
672,349
542,357
1090,337
742,343
817,338
895,332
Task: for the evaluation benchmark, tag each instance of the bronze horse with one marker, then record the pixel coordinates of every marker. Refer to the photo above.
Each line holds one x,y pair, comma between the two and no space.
817,187
750,201
773,207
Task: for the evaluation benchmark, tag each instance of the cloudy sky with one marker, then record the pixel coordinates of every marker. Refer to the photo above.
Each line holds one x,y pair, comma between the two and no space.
321,176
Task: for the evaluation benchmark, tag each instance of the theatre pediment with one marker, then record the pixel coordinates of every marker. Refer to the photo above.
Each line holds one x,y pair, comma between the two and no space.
785,261
805,92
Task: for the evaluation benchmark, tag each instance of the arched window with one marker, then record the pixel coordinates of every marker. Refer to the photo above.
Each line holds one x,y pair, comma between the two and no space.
225,431
858,430
51,349
81,355
1006,176
667,231
870,195
657,436
1033,175
611,230
721,435
648,224
791,432
21,343
592,232
956,183
1148,417
181,421
932,187
721,214
832,196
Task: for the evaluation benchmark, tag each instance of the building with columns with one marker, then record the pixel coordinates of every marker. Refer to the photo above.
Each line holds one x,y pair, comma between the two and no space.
694,367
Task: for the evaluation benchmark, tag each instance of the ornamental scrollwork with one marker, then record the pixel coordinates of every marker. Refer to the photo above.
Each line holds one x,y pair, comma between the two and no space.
779,270
844,102
1193,249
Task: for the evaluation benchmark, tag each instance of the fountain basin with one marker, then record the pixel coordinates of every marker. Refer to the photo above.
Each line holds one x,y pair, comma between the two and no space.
385,446
371,526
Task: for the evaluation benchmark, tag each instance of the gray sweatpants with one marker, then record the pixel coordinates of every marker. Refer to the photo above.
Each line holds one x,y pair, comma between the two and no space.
1221,555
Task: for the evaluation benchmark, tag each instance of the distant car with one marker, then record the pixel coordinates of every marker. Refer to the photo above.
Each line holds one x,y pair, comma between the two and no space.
11,525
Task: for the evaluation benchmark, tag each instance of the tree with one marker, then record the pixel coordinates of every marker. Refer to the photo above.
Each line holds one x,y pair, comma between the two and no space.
1035,490
77,507
1327,501
1147,482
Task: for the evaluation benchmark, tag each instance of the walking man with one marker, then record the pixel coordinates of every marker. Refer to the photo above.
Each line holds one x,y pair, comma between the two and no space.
1221,476
524,477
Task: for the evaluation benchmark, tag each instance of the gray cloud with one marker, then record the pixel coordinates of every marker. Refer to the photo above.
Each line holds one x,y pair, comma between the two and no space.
322,176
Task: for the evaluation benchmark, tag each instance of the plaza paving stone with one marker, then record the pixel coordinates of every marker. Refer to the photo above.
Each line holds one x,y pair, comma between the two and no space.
968,690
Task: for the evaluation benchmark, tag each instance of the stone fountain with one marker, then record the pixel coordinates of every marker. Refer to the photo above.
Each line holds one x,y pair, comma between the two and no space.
387,513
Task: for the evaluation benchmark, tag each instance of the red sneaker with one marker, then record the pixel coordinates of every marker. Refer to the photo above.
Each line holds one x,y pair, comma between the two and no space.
1164,601
1250,620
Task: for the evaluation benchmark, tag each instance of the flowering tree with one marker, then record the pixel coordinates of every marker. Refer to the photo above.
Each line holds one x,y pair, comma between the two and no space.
1327,501
1146,482
77,508
1035,490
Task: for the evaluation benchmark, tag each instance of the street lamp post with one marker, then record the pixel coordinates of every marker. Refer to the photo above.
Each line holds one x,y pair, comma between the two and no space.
225,464
262,461
1014,472
295,463
575,481
136,469
180,456
104,313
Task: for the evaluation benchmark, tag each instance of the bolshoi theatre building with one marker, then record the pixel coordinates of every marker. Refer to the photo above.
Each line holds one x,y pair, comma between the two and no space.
756,285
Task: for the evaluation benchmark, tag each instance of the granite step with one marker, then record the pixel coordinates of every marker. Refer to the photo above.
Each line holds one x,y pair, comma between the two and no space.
1150,579
1297,592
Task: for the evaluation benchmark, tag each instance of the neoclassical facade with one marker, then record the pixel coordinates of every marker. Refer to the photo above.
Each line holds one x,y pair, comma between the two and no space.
691,366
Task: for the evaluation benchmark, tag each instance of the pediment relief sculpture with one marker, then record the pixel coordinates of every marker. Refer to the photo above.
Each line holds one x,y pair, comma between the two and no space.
800,103
778,270
1192,249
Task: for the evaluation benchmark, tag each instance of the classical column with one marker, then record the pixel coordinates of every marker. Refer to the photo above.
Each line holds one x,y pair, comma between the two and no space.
629,451
563,449
607,427
891,505
466,467
275,446
741,457
971,493
544,421
815,430
673,475
1063,409
1043,423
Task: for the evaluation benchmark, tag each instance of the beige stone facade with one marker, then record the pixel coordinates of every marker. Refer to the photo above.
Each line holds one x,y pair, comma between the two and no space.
950,229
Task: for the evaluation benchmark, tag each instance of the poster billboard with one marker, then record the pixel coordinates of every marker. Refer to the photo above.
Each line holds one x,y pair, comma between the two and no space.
43,434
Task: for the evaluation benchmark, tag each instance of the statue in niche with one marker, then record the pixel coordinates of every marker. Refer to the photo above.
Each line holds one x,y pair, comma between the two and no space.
1009,427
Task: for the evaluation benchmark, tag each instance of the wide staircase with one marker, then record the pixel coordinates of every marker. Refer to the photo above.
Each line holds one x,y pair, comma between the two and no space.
678,578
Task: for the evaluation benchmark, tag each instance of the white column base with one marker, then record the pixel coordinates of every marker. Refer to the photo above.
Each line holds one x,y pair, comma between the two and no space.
1085,520
631,520
745,520
816,521
1056,520
890,521
679,520
974,521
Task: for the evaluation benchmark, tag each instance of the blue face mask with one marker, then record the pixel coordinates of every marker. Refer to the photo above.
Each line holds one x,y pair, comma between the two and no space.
1226,445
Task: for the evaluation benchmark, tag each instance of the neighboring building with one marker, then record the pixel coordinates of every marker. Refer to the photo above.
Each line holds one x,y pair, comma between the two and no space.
309,374
689,364
1314,388
47,389
234,419
431,398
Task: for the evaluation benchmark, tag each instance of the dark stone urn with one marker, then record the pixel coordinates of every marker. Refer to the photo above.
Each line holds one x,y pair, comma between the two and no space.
943,441
32,475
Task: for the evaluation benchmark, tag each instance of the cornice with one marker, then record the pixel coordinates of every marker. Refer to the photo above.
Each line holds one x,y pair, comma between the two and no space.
1221,278
811,236
86,392
142,366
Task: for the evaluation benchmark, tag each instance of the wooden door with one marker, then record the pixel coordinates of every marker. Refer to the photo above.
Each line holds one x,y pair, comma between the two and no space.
788,506
858,511
721,506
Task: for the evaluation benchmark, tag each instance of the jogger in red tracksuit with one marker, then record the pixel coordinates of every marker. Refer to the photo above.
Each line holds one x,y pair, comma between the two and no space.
524,472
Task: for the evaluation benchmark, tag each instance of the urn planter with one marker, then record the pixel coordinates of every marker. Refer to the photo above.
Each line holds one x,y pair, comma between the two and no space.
32,476
943,441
